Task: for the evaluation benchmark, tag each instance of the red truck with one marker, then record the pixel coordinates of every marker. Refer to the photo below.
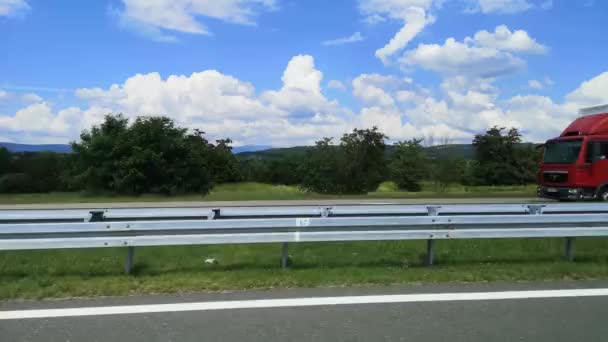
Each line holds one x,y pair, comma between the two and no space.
575,164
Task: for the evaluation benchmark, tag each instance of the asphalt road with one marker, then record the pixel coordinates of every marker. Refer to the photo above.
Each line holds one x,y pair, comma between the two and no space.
215,204
524,319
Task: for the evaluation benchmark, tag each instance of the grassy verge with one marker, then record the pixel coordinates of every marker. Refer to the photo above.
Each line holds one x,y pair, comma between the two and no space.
258,191
69,273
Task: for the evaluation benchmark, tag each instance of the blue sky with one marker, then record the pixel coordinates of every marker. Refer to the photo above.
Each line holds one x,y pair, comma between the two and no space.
280,72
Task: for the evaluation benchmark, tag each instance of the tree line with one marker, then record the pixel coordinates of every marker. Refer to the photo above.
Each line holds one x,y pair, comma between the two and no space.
154,155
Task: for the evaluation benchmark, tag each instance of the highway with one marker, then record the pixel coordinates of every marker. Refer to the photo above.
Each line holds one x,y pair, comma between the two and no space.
538,312
215,204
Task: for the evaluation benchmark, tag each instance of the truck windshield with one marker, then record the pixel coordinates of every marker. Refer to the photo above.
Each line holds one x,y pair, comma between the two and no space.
562,152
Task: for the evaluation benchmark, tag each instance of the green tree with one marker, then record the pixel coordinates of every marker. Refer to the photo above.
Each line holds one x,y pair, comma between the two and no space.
321,170
5,160
357,165
408,165
364,163
445,168
150,155
223,165
502,159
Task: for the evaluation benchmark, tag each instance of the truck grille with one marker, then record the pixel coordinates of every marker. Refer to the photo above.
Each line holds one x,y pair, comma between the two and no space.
555,177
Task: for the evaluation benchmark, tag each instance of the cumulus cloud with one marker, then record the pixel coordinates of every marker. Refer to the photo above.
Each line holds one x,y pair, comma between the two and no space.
13,8
413,13
453,58
539,84
223,105
415,17
152,17
31,97
485,55
498,6
4,95
535,84
371,89
36,117
335,84
301,91
299,113
591,92
208,94
355,37
504,39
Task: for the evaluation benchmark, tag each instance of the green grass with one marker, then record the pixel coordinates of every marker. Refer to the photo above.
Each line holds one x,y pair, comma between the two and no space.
93,272
259,191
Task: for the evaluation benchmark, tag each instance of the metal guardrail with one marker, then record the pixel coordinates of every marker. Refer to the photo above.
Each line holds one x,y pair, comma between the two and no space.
53,229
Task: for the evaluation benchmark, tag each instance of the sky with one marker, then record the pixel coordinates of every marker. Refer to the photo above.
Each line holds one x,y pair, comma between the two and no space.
288,72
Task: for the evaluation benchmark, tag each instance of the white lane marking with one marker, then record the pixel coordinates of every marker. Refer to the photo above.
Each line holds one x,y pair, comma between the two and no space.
298,302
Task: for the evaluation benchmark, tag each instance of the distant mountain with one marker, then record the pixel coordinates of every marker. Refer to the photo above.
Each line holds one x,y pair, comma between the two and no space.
58,148
464,151
274,153
250,148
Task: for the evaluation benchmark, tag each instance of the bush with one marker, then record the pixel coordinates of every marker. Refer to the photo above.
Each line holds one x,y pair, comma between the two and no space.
16,183
152,155
357,165
408,165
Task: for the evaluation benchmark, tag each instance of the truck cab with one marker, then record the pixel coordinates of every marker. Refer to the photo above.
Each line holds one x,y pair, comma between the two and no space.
575,164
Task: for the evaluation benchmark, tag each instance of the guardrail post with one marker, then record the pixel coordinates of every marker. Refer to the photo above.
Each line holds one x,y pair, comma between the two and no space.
325,211
215,214
129,261
98,216
535,209
284,255
430,243
570,248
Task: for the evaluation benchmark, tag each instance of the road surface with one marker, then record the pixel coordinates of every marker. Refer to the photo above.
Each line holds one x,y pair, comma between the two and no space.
537,312
216,204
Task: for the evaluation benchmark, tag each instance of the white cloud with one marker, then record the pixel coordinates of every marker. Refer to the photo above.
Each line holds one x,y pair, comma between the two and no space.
415,16
486,55
535,84
301,91
4,95
12,8
222,105
590,93
504,39
498,6
474,108
27,97
355,37
335,84
374,19
412,12
37,117
183,15
408,96
539,84
299,113
456,58
31,97
371,89
208,94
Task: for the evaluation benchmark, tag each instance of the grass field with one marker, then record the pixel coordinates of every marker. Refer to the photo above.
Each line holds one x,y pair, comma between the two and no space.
70,273
258,191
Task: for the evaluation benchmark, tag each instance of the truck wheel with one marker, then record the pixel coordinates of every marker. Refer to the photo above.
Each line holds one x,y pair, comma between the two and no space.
602,195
